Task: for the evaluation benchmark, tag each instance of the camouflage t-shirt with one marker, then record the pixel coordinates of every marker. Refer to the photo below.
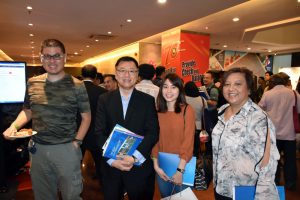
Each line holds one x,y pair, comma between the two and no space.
54,107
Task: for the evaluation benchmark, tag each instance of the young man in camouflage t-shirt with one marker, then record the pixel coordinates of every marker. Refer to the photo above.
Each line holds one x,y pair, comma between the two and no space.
52,101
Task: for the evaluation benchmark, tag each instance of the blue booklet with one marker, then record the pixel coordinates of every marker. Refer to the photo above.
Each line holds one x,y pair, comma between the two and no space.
121,142
169,163
248,192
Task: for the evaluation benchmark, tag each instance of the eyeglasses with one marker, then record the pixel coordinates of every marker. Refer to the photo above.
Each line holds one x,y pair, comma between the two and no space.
130,72
54,57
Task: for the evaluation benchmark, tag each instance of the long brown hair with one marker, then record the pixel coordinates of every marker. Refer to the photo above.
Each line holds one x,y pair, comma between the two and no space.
161,102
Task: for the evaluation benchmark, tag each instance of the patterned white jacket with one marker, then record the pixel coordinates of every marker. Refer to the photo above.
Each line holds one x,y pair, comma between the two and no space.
238,148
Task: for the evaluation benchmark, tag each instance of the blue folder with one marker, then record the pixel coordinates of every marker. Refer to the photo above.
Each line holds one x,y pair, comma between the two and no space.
248,192
169,163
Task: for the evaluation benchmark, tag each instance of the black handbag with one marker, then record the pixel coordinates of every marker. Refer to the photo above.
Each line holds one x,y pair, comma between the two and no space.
203,174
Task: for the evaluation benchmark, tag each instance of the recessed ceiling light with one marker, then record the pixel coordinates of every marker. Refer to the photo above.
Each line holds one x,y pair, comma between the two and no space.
276,53
269,51
206,27
30,24
96,40
248,48
32,42
76,53
129,20
31,35
225,46
32,47
29,8
236,19
87,46
81,50
161,1
109,32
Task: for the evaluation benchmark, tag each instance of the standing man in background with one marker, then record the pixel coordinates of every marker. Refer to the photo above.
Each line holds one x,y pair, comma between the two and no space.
91,141
160,73
52,101
135,111
146,74
211,113
268,75
110,82
278,102
212,90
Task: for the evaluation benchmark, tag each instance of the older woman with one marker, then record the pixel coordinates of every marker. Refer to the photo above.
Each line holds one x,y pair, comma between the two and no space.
244,141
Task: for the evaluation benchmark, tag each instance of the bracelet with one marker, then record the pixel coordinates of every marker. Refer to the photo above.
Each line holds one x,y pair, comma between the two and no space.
181,170
16,126
78,141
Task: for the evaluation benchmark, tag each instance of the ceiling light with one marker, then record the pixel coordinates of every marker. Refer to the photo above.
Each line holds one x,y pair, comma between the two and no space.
129,20
29,8
248,48
81,50
76,53
236,19
109,32
269,51
30,24
32,47
31,35
298,1
161,1
32,42
206,27
225,46
96,40
87,46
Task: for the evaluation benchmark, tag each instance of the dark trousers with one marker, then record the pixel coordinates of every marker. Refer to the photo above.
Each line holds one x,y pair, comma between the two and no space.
2,164
138,185
196,144
97,155
289,167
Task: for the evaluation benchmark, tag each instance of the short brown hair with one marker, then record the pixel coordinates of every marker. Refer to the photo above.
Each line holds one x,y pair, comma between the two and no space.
53,43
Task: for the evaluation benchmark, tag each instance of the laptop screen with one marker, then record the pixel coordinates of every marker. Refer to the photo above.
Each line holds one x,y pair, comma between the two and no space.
12,82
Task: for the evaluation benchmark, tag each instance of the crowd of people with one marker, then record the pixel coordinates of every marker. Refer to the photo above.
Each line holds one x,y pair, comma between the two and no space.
247,136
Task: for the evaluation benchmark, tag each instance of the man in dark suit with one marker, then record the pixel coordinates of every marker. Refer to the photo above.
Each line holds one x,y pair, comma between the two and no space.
91,141
135,111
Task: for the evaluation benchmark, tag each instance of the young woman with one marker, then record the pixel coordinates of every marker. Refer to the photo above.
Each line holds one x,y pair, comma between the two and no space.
177,129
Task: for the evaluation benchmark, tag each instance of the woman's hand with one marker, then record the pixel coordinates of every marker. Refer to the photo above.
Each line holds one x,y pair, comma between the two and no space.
161,173
177,178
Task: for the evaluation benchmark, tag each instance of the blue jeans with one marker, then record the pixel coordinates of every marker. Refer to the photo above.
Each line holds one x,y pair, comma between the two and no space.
166,187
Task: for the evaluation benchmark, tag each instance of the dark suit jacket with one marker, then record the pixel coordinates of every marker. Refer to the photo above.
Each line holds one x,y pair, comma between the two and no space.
141,118
90,140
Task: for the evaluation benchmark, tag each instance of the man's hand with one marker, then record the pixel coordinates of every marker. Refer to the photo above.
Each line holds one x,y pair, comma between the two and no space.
9,131
124,163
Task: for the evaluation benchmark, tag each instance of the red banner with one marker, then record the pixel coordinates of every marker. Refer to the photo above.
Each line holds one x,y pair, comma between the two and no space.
186,54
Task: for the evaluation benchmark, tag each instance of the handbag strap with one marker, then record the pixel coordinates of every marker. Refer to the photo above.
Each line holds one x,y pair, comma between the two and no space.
184,111
295,98
202,118
173,189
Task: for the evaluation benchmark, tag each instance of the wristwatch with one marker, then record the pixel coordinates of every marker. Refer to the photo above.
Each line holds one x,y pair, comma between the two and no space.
79,142
181,170
135,159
